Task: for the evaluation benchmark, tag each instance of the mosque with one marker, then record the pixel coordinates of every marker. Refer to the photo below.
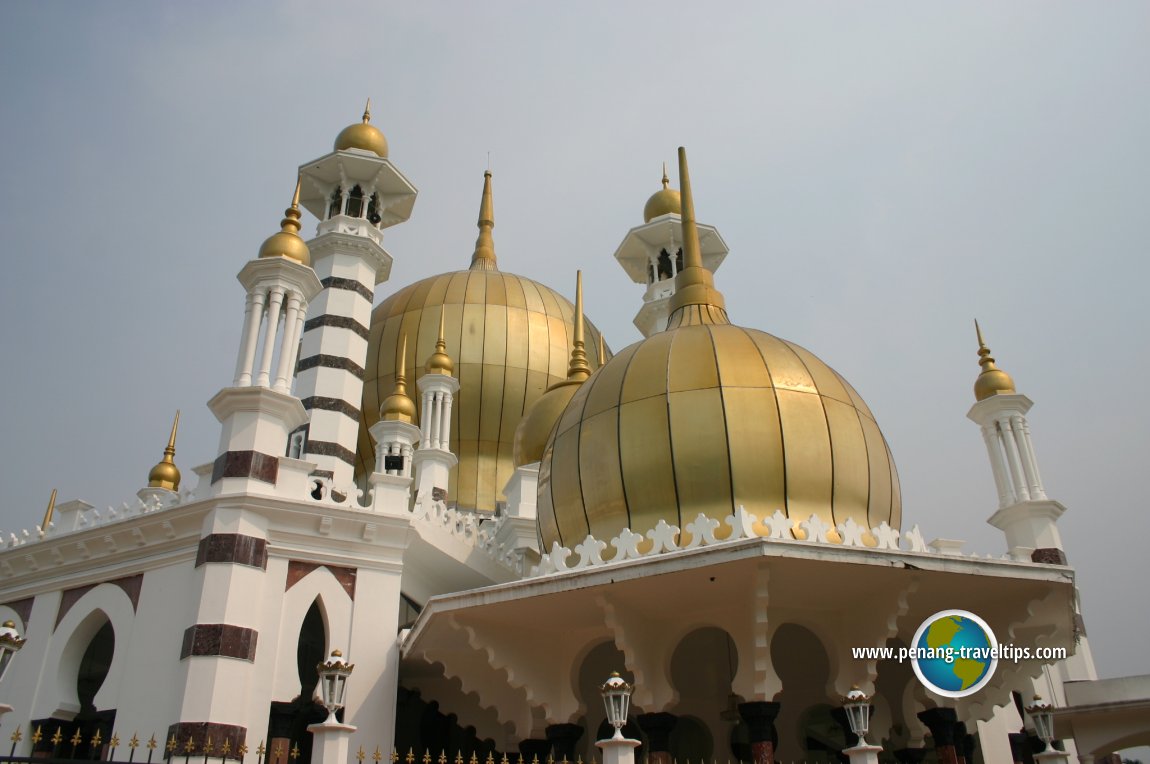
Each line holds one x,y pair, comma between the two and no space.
488,511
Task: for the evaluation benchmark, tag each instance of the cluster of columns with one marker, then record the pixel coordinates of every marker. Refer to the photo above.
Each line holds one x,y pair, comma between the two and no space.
280,311
435,422
1007,437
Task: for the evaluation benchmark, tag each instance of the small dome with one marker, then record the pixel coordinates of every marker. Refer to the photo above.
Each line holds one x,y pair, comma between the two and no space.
665,201
397,407
362,135
992,380
439,363
287,244
164,475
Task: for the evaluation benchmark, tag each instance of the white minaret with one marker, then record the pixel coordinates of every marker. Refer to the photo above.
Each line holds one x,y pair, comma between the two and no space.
396,437
356,192
652,254
433,459
1025,515
258,411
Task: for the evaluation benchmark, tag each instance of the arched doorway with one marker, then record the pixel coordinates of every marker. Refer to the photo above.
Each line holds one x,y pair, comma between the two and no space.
84,737
288,721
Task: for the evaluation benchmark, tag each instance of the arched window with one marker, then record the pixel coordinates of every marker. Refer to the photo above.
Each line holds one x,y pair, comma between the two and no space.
335,206
355,202
664,266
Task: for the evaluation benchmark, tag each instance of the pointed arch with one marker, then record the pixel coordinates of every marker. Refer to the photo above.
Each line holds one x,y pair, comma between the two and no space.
319,587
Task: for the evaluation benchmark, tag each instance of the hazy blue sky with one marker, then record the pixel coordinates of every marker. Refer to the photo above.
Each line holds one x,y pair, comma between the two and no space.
883,173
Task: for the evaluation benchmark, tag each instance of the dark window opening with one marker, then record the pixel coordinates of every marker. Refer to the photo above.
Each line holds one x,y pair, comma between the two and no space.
393,463
373,215
335,207
355,202
663,267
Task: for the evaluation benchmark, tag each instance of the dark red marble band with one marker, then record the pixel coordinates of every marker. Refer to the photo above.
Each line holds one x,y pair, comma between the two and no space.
233,548
219,639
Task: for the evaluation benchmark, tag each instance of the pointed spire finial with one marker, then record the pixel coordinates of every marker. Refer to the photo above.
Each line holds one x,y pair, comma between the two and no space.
602,351
48,514
295,196
484,257
367,111
440,362
399,406
991,380
696,301
287,241
666,180
578,370
165,474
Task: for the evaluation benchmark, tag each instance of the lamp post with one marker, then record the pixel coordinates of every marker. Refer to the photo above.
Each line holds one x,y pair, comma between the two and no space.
857,707
617,700
330,739
10,644
1042,714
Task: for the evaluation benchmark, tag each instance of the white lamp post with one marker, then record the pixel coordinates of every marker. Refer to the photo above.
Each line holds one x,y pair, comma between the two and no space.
857,707
333,683
10,644
617,700
330,739
1042,714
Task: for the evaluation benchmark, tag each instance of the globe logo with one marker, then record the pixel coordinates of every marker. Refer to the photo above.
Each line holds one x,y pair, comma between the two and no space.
954,653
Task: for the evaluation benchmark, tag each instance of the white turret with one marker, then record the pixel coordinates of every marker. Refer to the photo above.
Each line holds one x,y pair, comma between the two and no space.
437,388
355,191
652,254
258,411
396,437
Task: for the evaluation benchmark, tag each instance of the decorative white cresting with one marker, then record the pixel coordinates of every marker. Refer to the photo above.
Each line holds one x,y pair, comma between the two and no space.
74,516
741,524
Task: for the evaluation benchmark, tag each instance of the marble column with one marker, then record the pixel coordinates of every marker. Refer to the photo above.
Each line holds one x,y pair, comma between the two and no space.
941,722
760,718
658,728
563,738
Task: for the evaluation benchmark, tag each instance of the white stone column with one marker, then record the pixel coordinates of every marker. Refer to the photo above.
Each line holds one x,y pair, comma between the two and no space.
1001,479
291,323
330,742
445,423
862,754
1013,459
253,317
275,302
618,750
1037,491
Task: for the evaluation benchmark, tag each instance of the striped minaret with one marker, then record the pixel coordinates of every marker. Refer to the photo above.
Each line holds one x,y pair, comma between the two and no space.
355,192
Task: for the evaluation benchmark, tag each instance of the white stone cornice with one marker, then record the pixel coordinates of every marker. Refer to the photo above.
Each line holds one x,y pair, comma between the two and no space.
280,271
259,400
352,242
998,405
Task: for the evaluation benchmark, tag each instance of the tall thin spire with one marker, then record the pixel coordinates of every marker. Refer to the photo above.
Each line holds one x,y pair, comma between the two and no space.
991,380
440,362
367,111
484,257
666,180
696,301
578,370
602,351
165,474
48,513
399,406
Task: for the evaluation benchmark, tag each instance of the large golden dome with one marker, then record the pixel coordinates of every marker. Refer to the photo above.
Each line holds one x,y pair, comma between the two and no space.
708,416
510,339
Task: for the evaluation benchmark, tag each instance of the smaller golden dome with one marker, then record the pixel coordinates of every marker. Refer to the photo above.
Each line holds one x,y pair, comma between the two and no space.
362,135
535,428
664,201
287,242
440,362
166,474
398,407
992,380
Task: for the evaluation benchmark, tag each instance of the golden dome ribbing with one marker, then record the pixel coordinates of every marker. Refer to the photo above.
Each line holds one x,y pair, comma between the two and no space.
706,417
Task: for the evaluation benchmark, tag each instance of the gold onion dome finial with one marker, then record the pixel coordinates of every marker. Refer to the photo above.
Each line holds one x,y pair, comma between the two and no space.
663,202
992,380
287,241
440,362
696,301
166,474
484,257
398,406
362,135
534,429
